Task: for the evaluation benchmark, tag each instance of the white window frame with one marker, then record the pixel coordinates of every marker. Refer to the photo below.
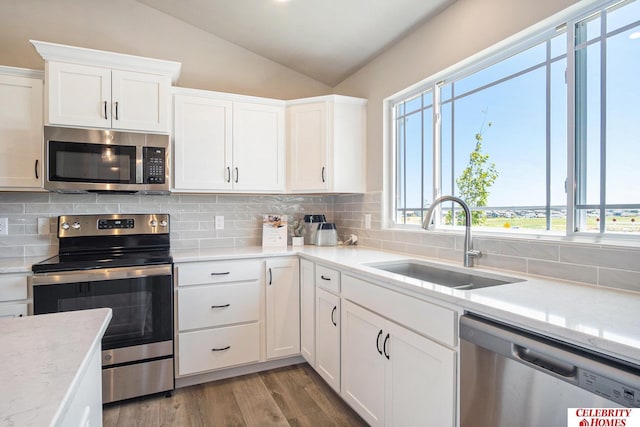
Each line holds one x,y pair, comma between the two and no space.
538,33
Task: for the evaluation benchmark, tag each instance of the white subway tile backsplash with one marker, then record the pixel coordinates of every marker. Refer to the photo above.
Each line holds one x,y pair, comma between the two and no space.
193,227
619,279
573,272
528,249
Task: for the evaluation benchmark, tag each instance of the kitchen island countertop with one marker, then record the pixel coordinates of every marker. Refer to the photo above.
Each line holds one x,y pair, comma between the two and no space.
42,360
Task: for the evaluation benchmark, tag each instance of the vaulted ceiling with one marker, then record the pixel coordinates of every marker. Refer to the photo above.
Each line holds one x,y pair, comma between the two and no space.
327,40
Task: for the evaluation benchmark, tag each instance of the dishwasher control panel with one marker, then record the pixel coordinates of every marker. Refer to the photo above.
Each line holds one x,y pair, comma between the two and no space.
610,389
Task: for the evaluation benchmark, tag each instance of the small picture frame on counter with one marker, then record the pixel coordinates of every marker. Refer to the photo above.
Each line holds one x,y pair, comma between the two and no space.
274,231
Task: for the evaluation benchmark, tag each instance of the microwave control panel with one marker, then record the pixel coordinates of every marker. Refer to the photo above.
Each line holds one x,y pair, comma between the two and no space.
154,165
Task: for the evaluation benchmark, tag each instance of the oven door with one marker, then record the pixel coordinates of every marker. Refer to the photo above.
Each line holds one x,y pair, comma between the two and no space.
141,299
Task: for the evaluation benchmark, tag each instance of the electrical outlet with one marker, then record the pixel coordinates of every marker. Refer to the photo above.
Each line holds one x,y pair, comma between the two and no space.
367,221
219,222
4,226
43,226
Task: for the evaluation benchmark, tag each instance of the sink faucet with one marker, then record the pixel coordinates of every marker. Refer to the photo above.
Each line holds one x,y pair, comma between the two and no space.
469,252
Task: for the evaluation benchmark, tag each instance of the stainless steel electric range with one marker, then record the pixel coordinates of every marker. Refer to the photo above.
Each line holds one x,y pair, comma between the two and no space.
120,261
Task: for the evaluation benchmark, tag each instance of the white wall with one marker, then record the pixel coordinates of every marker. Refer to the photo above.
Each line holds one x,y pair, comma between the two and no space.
465,28
126,26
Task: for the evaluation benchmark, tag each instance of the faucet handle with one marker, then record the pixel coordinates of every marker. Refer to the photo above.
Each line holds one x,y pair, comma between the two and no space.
473,253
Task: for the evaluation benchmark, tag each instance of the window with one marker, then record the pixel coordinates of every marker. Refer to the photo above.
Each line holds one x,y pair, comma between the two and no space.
495,133
607,94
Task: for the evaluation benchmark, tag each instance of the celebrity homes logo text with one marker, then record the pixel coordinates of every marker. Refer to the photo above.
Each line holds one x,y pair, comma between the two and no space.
603,417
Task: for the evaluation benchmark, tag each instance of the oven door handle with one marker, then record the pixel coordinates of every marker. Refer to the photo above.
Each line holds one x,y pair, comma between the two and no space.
100,274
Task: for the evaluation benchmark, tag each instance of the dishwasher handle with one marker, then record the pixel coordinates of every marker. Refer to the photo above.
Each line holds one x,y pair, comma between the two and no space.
545,361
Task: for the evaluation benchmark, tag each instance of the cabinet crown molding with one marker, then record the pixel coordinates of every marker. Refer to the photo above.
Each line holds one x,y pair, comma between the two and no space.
100,58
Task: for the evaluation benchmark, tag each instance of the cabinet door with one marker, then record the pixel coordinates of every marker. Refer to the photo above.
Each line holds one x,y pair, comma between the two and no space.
140,101
420,380
328,337
363,364
282,307
78,95
20,132
258,147
308,143
202,144
307,312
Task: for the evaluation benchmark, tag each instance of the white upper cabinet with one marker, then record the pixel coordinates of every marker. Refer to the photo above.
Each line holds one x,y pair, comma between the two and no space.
202,143
228,143
20,131
327,139
258,147
140,101
89,88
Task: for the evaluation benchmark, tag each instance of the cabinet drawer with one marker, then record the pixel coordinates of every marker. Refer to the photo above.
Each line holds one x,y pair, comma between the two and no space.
430,320
328,279
201,351
217,305
13,310
13,287
199,273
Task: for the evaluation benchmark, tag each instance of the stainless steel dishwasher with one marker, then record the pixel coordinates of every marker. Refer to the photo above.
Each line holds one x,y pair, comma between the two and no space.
512,377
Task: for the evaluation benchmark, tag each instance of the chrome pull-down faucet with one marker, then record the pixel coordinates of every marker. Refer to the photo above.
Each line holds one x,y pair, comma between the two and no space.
469,252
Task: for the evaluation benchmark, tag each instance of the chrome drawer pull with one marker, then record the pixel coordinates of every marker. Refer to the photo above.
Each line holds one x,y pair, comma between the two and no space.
220,306
221,349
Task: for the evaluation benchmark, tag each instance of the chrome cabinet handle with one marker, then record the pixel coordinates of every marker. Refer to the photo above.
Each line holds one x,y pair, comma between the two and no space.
221,349
323,174
221,306
335,307
117,110
36,169
378,342
384,346
105,111
228,174
221,274
325,278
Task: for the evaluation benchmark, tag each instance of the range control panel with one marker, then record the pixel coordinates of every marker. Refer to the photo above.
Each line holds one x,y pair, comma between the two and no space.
112,224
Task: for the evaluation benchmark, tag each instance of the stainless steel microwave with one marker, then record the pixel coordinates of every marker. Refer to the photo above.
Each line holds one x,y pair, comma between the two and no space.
98,160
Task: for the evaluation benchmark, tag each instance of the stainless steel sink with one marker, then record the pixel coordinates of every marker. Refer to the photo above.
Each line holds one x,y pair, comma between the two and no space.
443,276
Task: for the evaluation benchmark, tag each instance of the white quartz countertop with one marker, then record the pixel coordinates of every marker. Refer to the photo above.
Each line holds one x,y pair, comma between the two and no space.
41,359
598,318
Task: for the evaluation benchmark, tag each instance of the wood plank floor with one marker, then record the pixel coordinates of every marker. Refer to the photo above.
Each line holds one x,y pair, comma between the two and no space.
290,396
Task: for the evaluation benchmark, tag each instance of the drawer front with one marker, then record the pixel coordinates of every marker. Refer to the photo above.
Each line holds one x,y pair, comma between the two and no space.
13,310
202,351
13,287
199,273
328,279
428,319
217,305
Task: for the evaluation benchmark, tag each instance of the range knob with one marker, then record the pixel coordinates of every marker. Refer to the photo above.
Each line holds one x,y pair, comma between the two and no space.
65,226
154,223
75,225
163,223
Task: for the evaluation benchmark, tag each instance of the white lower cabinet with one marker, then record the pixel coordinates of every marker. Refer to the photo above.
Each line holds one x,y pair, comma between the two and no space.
328,337
13,295
282,312
219,315
308,311
392,376
205,350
